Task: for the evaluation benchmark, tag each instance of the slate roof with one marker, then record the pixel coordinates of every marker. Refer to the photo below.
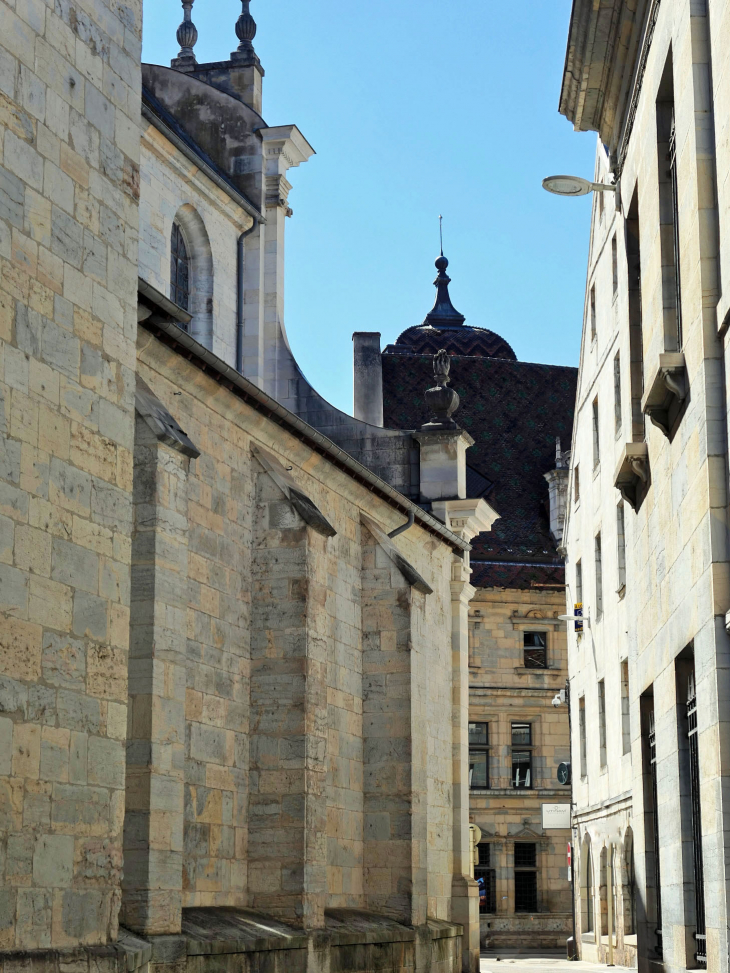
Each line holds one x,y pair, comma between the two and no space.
464,340
513,410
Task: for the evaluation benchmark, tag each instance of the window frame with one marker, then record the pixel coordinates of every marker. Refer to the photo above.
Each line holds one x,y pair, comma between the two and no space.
484,869
180,293
481,749
534,649
524,871
518,749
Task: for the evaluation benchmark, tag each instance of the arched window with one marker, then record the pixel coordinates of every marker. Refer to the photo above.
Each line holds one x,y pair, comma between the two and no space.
629,885
191,272
603,880
587,919
179,269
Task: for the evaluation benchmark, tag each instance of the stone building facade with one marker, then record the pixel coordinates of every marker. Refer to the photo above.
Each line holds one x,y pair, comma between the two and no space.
646,530
233,709
513,412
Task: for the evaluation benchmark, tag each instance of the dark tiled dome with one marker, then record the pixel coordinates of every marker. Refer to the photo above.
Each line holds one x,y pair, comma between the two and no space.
461,340
445,327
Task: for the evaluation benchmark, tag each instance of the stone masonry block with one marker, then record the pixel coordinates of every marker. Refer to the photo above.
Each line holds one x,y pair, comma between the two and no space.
64,661
106,762
90,616
75,566
53,861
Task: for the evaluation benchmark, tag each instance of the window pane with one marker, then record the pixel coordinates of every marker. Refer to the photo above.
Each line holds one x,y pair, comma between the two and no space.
478,734
483,850
521,734
538,639
487,880
478,768
521,776
525,854
535,659
525,891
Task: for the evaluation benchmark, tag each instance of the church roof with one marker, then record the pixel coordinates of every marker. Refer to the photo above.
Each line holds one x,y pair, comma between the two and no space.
513,410
445,327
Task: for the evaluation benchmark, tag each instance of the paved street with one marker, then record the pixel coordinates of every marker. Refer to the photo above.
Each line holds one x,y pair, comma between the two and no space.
511,962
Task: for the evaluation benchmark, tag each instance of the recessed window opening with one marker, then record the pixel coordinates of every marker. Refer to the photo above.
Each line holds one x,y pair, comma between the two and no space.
629,885
691,769
621,546
525,876
579,582
593,306
651,824
625,709
614,263
522,755
636,337
669,210
617,392
599,575
535,650
479,756
589,910
582,734
486,877
596,435
179,269
576,483
602,721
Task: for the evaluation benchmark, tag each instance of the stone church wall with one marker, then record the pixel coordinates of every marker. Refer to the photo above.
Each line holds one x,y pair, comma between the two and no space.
69,186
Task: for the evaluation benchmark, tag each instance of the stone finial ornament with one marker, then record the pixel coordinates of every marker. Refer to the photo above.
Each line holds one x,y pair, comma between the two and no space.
245,32
443,314
441,400
187,38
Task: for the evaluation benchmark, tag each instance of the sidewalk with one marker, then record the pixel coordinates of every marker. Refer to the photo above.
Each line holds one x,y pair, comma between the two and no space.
511,961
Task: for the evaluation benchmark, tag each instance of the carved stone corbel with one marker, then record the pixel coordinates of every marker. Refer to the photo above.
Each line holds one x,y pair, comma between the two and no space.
632,473
667,392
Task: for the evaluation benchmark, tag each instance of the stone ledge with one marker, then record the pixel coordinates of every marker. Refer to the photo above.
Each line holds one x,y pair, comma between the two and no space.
129,953
219,930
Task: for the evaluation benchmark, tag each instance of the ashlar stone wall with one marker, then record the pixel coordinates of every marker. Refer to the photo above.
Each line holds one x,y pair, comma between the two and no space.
317,722
502,691
69,186
672,606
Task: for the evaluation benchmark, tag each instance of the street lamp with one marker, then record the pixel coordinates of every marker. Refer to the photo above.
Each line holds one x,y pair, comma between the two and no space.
577,186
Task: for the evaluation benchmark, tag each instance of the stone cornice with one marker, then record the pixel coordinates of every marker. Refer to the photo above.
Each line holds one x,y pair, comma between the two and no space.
285,145
604,47
466,518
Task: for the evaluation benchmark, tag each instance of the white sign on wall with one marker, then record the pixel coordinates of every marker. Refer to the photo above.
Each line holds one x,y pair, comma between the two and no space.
555,816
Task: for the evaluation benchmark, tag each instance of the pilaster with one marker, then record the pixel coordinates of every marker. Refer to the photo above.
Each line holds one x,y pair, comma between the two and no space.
153,826
284,147
287,843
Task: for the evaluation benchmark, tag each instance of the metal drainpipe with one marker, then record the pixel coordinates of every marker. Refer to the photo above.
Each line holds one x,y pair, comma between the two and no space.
239,295
403,527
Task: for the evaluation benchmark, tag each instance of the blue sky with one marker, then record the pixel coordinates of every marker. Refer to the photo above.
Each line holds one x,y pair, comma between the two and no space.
415,109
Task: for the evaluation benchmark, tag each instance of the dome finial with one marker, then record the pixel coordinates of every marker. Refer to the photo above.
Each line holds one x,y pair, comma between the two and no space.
245,32
187,36
443,314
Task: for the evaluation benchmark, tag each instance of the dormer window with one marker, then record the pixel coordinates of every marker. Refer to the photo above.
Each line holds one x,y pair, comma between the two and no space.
179,269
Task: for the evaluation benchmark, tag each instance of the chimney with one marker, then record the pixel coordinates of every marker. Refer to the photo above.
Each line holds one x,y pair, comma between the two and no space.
558,492
368,384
